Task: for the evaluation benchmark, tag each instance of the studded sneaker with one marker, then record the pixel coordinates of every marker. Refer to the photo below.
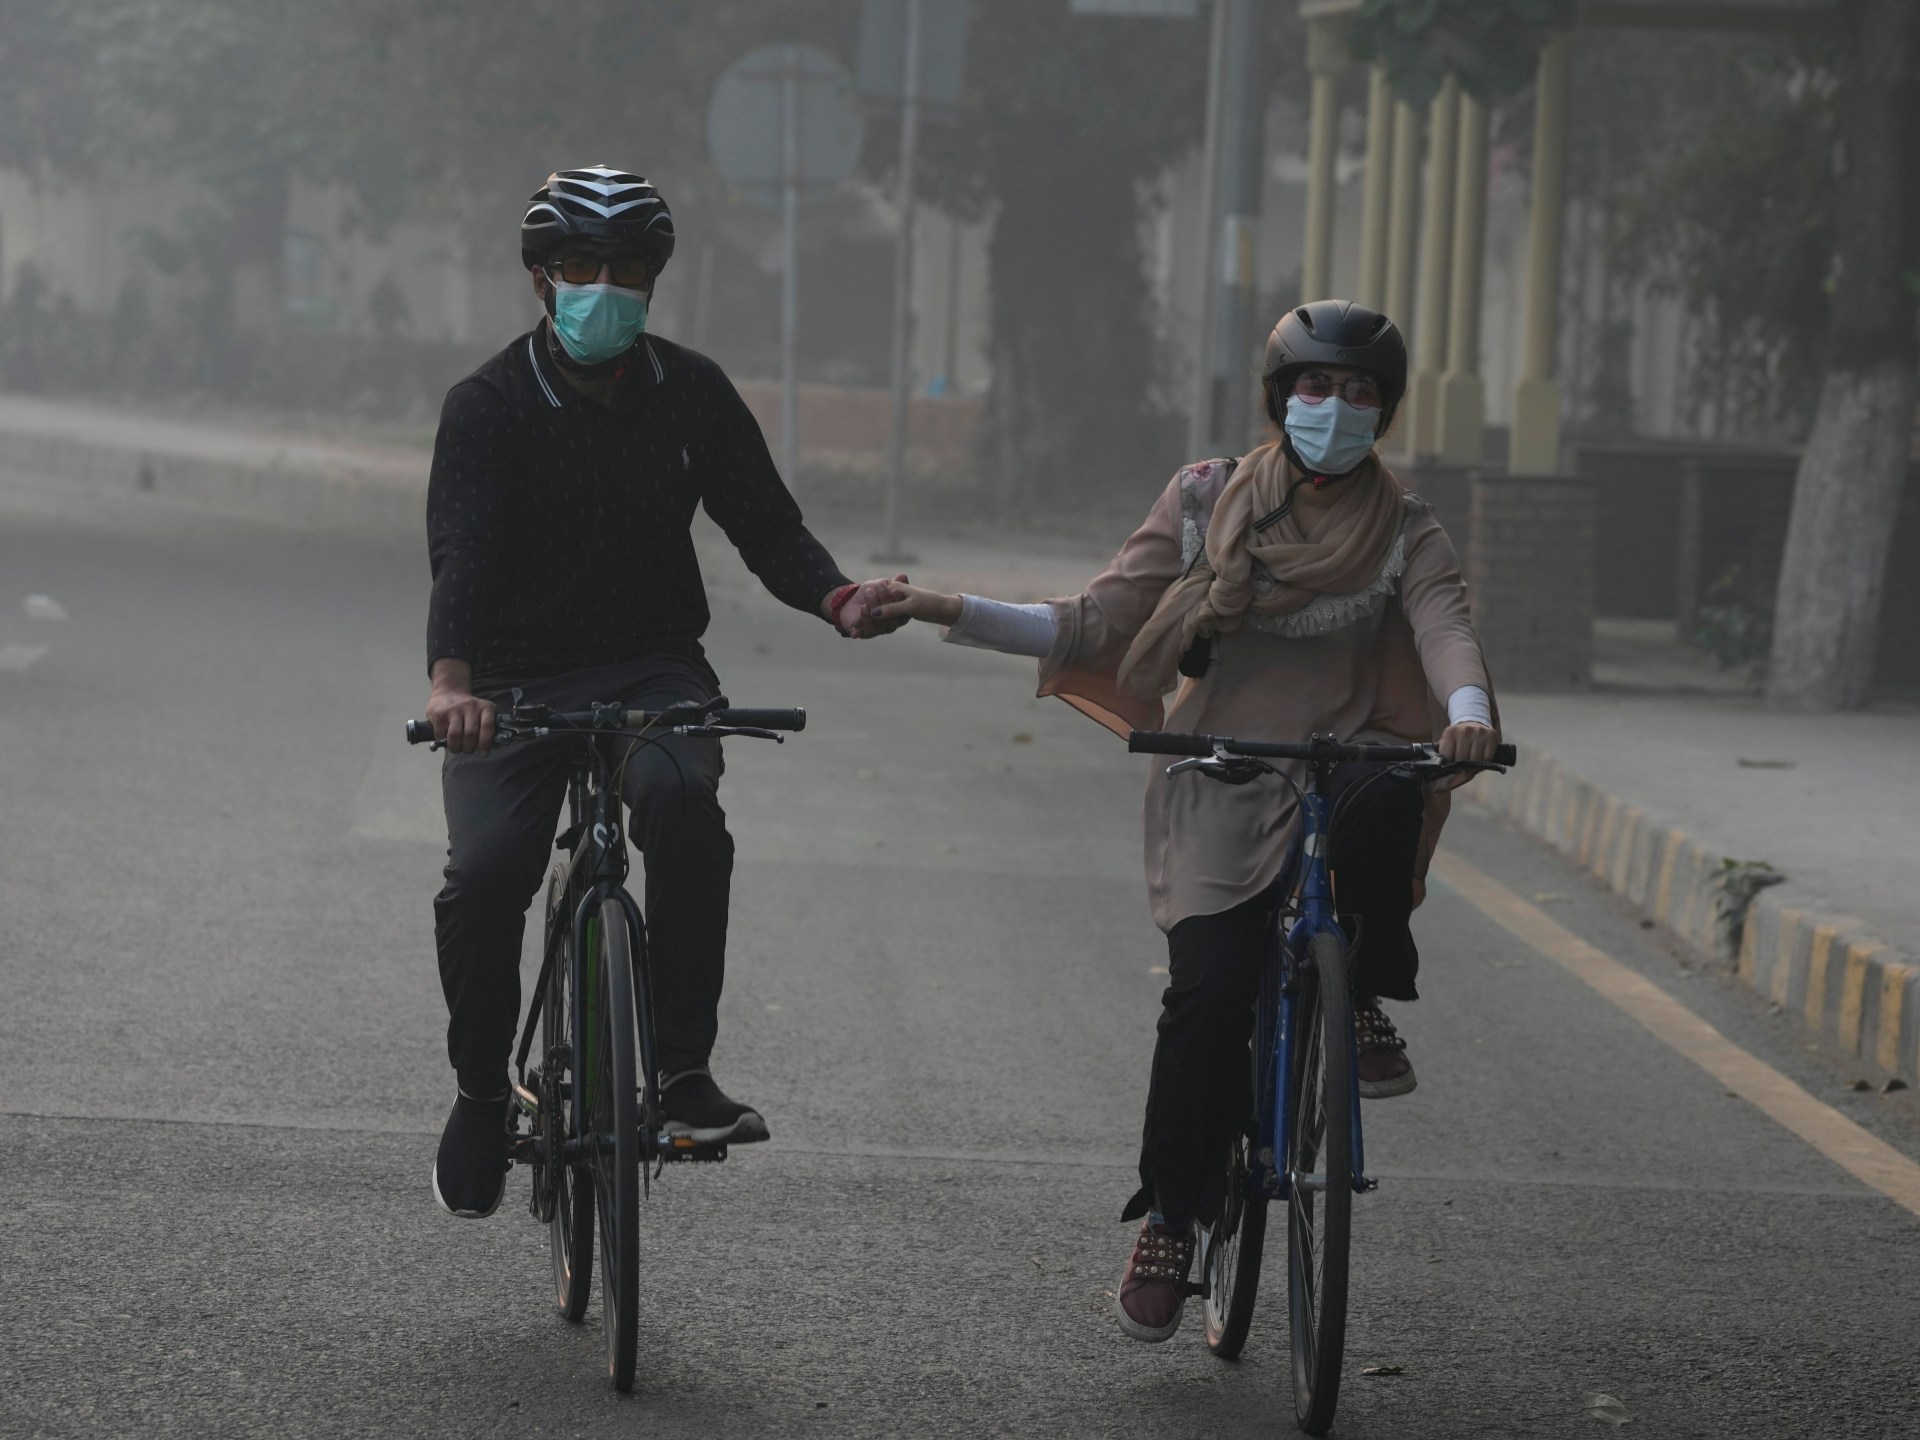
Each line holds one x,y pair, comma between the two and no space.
1384,1067
1153,1287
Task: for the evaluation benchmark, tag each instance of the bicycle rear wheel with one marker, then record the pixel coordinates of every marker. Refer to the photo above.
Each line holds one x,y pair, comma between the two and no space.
1238,1237
570,1228
1234,1247
613,1122
1320,1182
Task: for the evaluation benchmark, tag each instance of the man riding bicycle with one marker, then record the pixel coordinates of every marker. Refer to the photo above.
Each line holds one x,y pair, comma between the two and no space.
565,476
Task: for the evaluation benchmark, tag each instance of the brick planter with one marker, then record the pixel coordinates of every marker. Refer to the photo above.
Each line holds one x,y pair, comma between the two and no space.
1530,575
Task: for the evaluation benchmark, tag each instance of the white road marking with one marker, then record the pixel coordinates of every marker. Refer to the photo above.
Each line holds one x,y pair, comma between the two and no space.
19,657
44,607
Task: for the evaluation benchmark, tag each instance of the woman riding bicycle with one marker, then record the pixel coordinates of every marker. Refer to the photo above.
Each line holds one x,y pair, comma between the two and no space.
1298,590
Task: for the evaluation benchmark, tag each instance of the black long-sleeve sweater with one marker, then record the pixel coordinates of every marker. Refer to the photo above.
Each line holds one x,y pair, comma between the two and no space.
559,529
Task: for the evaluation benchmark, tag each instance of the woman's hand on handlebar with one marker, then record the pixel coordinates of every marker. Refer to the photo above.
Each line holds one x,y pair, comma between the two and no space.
904,602
459,718
1470,741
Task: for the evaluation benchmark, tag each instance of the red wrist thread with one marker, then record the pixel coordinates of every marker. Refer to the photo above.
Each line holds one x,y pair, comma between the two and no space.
837,601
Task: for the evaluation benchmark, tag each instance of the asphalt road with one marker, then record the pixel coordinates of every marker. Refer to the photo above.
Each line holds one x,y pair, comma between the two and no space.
222,1076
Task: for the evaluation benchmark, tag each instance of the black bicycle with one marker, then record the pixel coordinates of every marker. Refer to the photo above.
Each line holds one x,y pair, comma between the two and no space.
591,1102
1303,1145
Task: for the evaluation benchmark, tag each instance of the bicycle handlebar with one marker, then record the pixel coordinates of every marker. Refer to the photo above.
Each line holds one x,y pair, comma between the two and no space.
420,732
1170,742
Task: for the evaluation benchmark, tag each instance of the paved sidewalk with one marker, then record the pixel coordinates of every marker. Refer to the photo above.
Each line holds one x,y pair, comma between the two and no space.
1666,782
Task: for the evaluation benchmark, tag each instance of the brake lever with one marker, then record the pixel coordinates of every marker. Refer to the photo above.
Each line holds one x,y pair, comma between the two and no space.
720,732
1227,769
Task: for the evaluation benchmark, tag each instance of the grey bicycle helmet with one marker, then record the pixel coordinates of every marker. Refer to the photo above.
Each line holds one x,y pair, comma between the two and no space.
597,203
1336,332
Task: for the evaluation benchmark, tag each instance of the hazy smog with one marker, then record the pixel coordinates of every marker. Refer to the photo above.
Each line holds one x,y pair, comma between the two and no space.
1014,387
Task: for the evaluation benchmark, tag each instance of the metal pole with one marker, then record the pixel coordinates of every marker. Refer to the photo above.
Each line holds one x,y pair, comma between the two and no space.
790,267
1200,417
1243,132
951,369
893,551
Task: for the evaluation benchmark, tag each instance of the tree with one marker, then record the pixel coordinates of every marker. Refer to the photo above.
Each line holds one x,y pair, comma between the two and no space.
1493,46
1826,614
1066,123
1737,222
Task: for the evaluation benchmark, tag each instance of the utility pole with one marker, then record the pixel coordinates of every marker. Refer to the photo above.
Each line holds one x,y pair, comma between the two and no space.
1200,416
893,550
790,266
1242,150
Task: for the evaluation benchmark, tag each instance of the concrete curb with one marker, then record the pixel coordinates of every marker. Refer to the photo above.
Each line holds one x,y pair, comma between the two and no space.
1852,987
374,499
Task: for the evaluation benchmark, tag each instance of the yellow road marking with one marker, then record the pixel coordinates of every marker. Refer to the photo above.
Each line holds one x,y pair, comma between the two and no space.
1853,1149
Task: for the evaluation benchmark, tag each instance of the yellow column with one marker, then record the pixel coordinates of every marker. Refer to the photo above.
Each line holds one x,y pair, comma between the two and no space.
1536,399
1403,199
1430,330
1327,58
1372,288
1463,401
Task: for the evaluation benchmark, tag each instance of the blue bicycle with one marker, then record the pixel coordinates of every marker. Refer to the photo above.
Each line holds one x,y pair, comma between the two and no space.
1303,1145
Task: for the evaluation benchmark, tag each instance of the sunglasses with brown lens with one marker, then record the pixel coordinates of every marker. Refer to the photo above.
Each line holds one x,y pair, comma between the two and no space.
632,272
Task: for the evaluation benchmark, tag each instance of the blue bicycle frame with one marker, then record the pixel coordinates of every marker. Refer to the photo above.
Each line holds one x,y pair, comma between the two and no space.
1286,959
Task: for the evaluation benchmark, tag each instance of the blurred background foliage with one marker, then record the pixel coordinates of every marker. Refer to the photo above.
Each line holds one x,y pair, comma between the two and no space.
1703,166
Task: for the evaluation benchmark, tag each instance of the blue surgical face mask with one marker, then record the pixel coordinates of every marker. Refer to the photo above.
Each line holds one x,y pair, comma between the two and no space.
597,323
1330,437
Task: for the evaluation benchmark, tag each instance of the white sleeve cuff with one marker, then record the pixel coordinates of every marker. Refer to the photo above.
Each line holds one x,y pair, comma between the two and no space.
1010,629
1470,704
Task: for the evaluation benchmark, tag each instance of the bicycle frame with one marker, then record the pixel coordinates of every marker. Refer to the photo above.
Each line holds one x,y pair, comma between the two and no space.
596,870
1287,950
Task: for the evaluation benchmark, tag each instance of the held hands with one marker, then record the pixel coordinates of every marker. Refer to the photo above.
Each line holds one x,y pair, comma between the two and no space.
854,611
904,602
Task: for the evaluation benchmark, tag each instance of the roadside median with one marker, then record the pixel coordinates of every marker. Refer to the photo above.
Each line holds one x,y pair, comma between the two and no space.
372,492
1786,930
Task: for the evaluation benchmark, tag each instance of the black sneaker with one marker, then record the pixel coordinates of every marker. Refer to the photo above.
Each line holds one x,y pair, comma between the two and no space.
696,1107
470,1172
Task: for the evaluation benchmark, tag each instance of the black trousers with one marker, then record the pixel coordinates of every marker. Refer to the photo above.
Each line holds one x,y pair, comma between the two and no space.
1200,1095
503,810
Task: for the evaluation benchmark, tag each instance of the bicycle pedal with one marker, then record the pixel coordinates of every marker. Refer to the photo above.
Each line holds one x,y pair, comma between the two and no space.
523,1148
1193,1287
683,1147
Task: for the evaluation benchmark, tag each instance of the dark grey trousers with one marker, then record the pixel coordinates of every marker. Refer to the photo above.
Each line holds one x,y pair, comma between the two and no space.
503,810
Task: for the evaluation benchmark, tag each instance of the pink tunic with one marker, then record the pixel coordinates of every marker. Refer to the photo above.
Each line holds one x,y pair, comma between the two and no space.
1375,665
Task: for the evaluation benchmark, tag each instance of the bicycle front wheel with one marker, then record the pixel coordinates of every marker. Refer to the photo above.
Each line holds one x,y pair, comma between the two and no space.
1319,1163
570,1224
613,1123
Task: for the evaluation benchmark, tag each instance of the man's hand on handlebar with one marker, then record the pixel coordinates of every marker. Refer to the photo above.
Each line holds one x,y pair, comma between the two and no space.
460,719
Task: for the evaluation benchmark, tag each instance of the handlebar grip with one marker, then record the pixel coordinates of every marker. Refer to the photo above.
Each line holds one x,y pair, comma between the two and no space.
1506,755
1161,742
763,719
419,732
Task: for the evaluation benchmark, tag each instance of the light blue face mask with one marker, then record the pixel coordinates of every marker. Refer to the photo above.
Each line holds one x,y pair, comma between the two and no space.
1330,437
597,323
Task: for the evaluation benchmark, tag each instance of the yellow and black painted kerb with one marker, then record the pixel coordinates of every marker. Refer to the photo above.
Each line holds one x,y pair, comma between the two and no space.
1850,986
